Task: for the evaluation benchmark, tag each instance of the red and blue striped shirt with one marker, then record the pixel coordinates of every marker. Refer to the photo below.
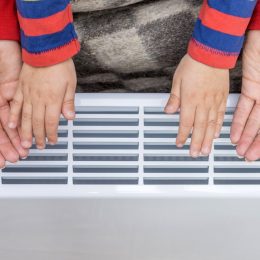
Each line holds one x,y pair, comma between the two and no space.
48,36
219,32
47,31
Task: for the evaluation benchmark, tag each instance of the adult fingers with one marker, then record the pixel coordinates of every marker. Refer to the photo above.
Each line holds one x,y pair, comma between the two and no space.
243,110
16,108
11,133
2,161
250,131
253,153
6,148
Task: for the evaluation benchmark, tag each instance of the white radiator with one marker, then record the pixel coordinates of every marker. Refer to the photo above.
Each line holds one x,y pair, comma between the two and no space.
116,187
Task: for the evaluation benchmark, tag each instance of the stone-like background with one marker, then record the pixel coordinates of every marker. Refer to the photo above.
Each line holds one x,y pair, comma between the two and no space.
134,45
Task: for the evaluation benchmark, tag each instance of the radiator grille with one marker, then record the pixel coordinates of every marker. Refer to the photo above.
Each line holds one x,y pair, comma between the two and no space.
129,141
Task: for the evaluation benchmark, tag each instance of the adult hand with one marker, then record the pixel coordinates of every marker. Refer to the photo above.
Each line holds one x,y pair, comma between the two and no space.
10,67
245,130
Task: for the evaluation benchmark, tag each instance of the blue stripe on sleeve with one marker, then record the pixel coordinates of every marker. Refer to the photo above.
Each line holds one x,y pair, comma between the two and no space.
39,44
240,8
217,40
40,8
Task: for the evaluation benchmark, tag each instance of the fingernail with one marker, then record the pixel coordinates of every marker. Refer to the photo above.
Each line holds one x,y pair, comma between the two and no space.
24,158
26,144
240,157
217,135
179,145
194,154
11,125
206,151
40,147
168,108
2,168
71,113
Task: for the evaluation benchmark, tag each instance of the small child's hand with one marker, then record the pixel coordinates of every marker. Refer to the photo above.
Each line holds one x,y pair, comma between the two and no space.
245,130
42,95
201,93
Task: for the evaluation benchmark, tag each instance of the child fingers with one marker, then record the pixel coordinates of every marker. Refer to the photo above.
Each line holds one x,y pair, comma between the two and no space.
250,131
243,110
68,106
199,130
174,101
38,125
210,132
17,143
26,125
16,108
220,119
52,118
187,116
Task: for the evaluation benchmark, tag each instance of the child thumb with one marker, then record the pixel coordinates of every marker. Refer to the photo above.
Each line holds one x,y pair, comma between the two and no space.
174,102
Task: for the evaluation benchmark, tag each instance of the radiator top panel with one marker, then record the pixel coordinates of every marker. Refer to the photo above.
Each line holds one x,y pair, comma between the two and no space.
126,139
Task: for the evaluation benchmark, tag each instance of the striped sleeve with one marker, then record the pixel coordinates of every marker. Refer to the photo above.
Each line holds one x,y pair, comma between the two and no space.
219,32
9,28
255,22
48,36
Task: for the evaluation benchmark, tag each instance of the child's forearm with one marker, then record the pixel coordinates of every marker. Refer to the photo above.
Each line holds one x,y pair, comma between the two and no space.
219,32
48,36
9,29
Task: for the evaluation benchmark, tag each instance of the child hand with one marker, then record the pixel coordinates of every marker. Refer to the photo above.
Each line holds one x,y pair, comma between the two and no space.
201,93
10,67
245,130
42,94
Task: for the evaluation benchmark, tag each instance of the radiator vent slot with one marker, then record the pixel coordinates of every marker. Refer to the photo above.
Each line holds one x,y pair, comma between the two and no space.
106,122
105,181
105,157
129,140
39,181
105,134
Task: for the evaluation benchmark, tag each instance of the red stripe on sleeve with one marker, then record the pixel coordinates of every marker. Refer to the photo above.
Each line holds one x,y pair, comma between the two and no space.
255,22
9,28
222,22
211,57
51,57
48,25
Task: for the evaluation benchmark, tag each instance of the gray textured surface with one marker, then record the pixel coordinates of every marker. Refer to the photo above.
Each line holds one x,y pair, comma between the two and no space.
133,45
